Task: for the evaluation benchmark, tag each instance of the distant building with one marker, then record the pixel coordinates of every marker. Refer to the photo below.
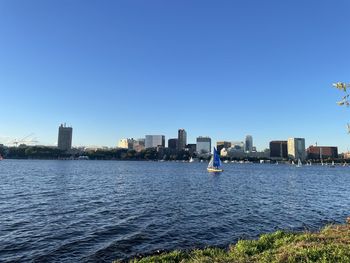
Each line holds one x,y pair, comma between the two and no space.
65,137
181,139
203,145
153,141
296,148
172,144
139,145
222,144
191,147
322,152
248,143
237,146
126,143
278,149
346,155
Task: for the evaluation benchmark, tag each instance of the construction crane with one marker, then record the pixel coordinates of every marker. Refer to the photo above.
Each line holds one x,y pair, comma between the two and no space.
29,139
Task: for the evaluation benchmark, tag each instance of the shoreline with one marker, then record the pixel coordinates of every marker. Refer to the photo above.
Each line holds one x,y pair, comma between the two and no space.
330,244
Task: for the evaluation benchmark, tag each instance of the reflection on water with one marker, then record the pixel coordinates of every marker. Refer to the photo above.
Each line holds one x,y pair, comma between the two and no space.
70,211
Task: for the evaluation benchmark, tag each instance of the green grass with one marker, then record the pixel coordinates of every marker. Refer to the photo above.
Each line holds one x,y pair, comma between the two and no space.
331,244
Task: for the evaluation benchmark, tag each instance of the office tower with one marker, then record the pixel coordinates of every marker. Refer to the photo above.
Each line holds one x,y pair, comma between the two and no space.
203,145
181,139
64,137
278,149
296,148
322,152
153,141
172,144
248,143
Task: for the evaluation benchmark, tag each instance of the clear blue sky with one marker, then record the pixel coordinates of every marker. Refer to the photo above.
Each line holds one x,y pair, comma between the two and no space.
115,69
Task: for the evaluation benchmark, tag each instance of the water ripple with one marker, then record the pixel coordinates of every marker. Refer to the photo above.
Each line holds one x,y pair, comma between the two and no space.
97,211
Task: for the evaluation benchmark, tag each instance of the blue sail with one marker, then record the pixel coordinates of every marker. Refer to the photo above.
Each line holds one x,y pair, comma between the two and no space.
216,161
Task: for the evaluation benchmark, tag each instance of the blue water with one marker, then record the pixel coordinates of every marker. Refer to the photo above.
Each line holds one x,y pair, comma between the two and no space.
97,211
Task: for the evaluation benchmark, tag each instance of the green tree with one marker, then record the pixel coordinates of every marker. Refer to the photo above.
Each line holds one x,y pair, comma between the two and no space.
343,87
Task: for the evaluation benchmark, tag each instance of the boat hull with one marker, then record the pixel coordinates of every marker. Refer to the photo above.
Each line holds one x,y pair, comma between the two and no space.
214,170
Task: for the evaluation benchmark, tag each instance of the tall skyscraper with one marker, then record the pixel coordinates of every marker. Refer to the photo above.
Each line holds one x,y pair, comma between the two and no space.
181,139
248,143
64,137
203,145
296,148
153,141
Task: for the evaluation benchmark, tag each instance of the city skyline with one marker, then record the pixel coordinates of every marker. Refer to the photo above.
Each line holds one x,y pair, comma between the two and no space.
222,70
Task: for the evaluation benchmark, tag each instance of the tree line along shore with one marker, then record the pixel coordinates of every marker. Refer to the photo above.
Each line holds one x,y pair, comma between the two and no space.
150,154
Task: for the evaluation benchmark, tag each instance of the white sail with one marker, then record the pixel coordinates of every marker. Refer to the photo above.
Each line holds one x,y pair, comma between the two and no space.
299,163
211,162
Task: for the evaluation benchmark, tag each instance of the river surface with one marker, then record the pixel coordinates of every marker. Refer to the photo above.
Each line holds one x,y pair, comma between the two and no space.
97,211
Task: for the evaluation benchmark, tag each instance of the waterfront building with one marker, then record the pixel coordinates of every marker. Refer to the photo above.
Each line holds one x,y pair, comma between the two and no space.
139,144
127,143
237,146
203,145
222,144
181,139
278,149
191,147
296,148
64,137
322,152
248,143
172,144
153,141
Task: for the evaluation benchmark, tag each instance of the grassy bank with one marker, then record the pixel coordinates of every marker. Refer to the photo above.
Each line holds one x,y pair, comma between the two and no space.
331,244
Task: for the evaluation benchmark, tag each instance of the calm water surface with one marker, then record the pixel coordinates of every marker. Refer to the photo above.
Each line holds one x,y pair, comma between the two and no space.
97,211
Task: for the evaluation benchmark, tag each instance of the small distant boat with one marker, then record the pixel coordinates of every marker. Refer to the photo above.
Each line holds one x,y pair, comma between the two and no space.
226,161
191,160
276,162
215,163
1,158
345,164
293,163
299,163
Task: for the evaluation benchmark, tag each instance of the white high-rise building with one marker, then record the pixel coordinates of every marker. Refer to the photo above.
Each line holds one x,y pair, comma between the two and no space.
296,148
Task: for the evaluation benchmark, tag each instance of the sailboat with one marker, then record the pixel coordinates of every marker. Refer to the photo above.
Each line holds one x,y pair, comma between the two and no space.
333,165
215,163
299,163
191,160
